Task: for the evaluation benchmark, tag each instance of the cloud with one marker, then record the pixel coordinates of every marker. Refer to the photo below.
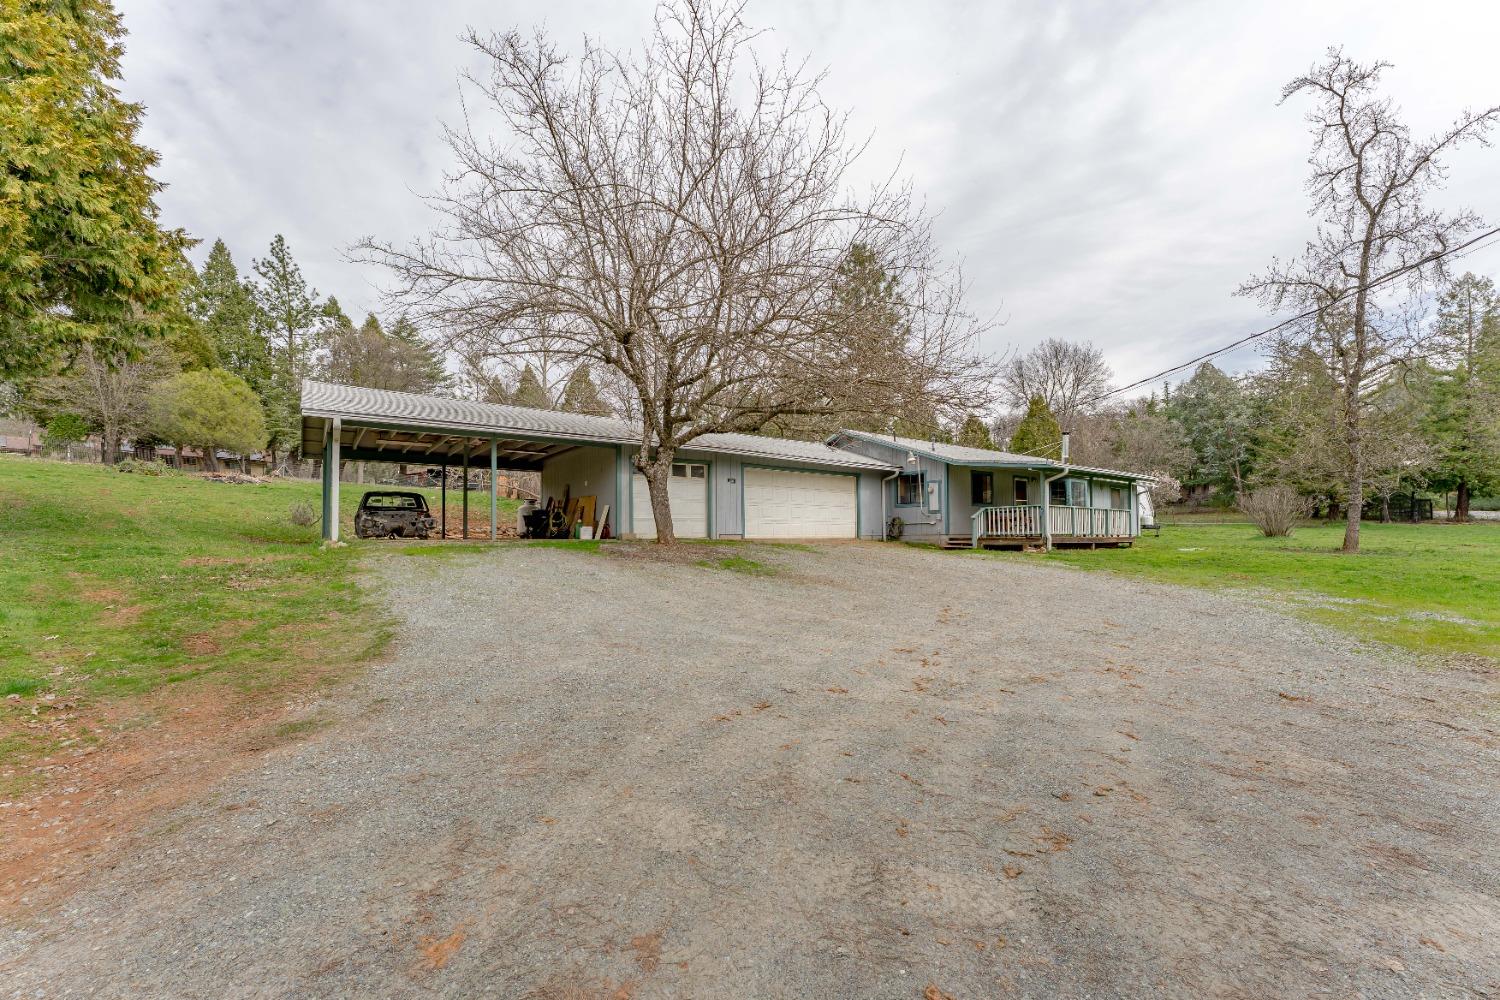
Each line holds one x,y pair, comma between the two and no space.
1108,172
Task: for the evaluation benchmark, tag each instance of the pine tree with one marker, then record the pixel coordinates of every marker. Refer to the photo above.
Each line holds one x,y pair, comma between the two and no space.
288,307
975,434
83,260
225,310
581,395
1463,398
529,391
422,363
1039,433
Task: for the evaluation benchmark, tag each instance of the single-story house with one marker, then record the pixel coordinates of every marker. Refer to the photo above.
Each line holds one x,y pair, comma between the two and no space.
723,485
960,497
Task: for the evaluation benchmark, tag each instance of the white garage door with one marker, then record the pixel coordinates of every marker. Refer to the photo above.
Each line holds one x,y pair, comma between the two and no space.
800,505
687,491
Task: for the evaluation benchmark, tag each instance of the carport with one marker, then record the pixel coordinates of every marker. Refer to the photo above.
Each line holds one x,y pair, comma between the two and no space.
722,485
350,424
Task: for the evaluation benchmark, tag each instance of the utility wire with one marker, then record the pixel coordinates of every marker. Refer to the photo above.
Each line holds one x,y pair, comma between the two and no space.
1459,250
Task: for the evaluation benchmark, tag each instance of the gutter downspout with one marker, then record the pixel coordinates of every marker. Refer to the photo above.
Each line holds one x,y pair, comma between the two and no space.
1047,482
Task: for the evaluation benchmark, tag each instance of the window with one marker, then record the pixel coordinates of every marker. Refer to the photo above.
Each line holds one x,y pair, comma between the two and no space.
689,470
908,489
981,488
1117,498
1022,485
1068,493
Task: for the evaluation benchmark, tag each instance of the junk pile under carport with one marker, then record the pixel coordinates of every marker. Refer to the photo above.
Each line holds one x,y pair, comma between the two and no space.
572,517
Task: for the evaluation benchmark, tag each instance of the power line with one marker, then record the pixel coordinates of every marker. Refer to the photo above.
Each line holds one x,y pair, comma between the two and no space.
1458,250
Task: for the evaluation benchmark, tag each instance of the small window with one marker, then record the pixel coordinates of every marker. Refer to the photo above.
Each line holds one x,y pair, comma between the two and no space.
1022,487
689,470
1068,493
1057,493
1080,491
698,471
908,489
1117,498
981,488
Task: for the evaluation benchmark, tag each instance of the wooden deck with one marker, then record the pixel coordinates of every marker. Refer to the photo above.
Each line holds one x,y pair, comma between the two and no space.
1037,542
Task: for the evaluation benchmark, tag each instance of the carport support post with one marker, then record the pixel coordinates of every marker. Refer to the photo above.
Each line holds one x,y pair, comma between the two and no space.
331,482
494,495
445,498
466,489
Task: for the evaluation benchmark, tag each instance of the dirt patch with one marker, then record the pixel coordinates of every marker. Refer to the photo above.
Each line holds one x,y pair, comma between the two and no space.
437,951
116,771
232,560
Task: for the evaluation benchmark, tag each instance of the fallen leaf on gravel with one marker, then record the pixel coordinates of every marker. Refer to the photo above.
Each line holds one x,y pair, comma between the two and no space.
1129,736
1103,790
761,706
933,993
1053,840
1292,697
1063,796
1000,941
1013,871
1392,964
1429,942
437,951
837,690
549,820
939,718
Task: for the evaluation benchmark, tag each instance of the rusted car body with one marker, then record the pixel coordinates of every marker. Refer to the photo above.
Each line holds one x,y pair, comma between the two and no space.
393,514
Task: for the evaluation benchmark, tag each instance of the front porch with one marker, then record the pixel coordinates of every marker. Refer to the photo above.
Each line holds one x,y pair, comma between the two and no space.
1032,525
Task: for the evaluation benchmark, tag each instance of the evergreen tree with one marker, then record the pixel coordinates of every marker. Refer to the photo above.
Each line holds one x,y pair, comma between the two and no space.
288,313
224,308
1039,433
975,434
529,391
423,369
1463,397
209,409
83,260
581,395
1217,419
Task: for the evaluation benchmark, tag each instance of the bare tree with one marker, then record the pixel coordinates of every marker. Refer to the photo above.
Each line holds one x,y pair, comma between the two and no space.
113,395
680,217
1065,374
1368,184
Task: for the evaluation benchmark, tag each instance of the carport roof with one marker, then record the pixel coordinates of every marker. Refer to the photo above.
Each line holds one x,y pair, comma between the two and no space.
441,418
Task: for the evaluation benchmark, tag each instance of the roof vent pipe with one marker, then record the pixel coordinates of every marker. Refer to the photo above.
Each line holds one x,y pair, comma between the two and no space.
1066,435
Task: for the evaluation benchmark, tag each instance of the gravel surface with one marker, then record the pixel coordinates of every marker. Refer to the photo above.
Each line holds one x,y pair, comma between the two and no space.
876,771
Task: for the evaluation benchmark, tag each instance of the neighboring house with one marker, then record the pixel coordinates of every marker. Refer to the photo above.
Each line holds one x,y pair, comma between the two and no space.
961,497
728,485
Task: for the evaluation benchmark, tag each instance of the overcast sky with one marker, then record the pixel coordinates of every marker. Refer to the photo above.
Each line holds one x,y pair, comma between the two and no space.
1106,171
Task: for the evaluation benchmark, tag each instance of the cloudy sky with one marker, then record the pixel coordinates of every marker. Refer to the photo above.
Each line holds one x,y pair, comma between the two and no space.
1106,171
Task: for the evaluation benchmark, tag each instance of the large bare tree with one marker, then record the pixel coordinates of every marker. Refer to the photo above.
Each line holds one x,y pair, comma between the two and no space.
1068,375
680,216
1369,183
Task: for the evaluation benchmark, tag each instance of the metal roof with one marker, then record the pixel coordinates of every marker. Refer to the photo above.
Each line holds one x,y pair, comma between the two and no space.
442,417
957,454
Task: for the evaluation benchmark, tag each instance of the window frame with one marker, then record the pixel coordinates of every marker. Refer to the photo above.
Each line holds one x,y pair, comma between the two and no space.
1020,490
914,479
687,470
977,496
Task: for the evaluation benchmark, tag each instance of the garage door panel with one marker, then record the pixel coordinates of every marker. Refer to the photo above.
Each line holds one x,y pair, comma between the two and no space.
783,504
688,498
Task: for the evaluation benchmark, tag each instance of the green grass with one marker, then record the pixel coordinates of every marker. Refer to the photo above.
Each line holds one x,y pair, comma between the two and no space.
738,564
115,585
1430,588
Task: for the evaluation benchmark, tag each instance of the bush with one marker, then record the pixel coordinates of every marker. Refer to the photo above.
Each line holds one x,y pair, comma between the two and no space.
1274,509
302,514
144,468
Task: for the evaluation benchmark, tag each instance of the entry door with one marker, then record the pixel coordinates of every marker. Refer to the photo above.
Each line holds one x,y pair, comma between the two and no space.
687,490
781,504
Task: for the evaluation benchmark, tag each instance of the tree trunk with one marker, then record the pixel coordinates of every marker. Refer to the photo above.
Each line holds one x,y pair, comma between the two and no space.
658,475
109,446
1385,510
210,459
1461,507
1333,509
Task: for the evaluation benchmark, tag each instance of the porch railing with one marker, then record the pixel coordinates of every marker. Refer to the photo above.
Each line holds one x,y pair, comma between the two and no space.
1090,522
1025,521
1021,520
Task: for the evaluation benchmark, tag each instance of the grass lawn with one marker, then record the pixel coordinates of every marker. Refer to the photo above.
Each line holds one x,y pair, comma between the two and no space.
1432,588
114,585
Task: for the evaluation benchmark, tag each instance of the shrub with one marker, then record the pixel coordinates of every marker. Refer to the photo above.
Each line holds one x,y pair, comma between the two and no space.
302,514
144,468
1273,509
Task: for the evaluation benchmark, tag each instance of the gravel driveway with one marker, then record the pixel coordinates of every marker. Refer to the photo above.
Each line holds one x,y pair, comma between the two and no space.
879,772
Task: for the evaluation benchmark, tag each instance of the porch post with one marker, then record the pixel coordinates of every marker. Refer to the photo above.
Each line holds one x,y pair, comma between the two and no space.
494,501
466,489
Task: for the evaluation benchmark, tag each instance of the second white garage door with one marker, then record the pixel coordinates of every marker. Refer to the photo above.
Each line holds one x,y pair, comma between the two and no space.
687,492
782,504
